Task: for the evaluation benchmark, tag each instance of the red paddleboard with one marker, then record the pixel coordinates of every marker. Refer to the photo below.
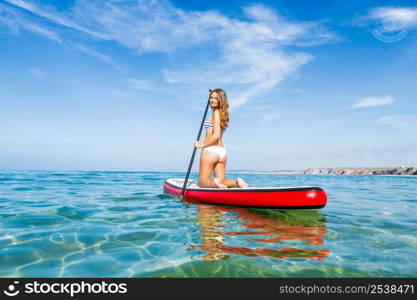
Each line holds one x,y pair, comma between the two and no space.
303,197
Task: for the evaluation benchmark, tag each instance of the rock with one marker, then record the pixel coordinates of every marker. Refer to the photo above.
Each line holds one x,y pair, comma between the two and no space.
363,171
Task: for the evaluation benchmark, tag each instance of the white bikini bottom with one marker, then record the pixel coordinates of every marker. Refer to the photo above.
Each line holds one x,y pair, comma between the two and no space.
220,151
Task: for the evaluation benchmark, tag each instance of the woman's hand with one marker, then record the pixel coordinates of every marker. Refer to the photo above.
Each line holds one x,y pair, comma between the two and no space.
197,144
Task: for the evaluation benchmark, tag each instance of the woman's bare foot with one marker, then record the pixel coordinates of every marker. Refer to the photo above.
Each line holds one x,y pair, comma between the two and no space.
241,183
219,184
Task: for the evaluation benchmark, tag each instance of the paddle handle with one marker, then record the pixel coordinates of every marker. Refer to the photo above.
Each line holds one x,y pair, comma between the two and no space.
195,148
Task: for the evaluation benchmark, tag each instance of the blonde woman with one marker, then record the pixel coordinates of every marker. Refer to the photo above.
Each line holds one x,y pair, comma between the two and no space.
213,155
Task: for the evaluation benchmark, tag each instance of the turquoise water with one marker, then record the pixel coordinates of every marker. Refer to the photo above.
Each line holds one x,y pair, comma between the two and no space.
120,224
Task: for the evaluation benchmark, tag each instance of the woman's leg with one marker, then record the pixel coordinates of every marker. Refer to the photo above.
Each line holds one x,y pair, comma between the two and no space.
220,168
220,171
220,174
208,160
239,182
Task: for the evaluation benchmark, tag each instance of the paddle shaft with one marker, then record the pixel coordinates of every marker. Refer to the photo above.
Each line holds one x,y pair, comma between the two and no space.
195,148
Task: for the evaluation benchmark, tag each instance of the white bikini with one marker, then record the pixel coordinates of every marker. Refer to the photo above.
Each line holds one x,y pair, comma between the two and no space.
219,150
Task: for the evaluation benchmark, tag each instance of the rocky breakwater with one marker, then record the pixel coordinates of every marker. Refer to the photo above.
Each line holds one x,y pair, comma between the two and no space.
363,171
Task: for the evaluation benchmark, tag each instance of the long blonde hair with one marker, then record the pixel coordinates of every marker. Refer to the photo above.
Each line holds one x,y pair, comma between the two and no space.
223,107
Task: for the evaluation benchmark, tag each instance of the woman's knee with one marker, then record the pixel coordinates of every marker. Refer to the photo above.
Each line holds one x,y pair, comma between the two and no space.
205,183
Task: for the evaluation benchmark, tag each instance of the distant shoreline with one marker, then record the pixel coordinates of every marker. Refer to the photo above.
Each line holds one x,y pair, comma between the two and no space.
399,171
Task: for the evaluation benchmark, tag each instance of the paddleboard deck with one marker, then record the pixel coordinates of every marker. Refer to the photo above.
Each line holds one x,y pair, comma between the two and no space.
303,197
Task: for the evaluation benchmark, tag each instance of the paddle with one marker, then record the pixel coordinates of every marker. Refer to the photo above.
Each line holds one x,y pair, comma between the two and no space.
195,148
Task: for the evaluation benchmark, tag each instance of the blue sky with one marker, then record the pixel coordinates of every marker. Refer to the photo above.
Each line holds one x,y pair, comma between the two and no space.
121,85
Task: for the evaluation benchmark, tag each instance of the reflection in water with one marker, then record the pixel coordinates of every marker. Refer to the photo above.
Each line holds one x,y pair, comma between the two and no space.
295,227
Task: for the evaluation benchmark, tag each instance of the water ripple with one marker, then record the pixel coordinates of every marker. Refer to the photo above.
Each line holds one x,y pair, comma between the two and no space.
120,224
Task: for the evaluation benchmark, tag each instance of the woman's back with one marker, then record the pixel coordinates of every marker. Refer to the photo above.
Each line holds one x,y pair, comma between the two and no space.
208,124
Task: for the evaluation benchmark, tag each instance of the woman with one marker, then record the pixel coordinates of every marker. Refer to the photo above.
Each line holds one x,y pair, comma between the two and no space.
214,156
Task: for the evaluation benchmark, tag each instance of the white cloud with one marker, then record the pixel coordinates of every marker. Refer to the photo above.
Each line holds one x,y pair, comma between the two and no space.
260,107
118,93
395,18
141,84
403,121
373,101
391,18
275,115
49,12
41,30
37,73
16,22
98,55
247,56
252,58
